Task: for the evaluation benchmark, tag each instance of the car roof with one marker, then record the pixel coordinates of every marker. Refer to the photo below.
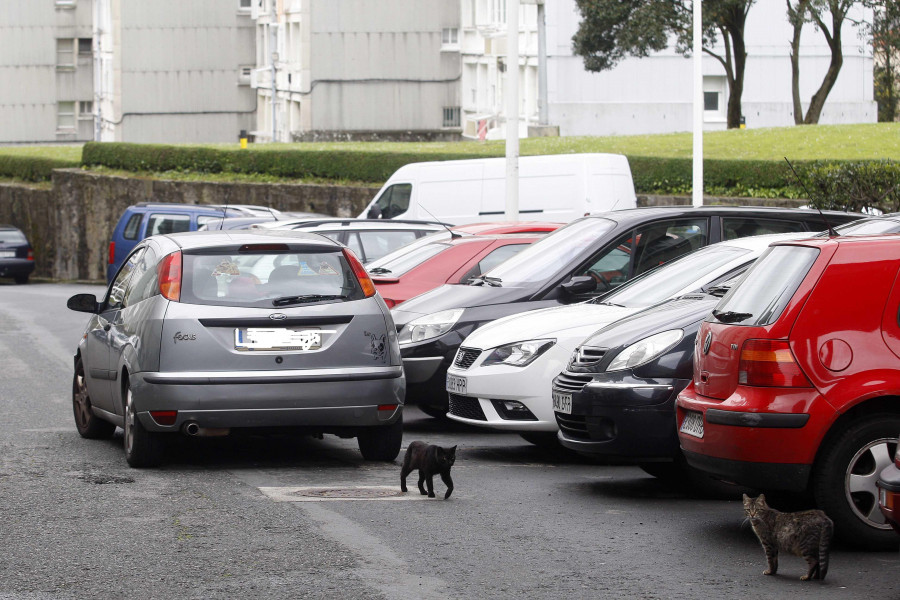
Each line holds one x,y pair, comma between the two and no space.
9,228
351,225
508,227
240,209
644,213
190,240
881,238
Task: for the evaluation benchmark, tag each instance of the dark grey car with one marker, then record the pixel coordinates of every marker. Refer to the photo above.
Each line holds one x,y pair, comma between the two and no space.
202,333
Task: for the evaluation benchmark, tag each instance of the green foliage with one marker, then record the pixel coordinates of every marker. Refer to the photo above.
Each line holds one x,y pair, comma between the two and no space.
855,185
32,168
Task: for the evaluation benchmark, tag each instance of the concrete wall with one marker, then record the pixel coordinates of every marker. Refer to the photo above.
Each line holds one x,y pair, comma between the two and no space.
70,225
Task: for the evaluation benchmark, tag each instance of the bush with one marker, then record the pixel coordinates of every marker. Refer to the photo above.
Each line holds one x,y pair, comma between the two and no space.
32,168
855,186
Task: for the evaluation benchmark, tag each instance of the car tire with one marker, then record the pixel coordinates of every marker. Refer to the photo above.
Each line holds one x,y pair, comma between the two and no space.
88,424
542,439
21,279
381,443
843,480
142,448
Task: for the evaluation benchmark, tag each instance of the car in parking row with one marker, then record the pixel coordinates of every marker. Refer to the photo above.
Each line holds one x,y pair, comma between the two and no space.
16,254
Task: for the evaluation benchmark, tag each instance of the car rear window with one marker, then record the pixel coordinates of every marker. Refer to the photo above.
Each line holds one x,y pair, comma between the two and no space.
12,236
268,279
396,263
769,285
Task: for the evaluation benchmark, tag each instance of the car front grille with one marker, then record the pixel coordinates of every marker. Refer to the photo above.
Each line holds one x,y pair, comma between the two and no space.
586,356
571,382
574,426
467,408
465,357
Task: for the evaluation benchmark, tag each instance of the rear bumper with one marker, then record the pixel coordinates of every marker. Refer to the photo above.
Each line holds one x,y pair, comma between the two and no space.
322,401
764,476
13,267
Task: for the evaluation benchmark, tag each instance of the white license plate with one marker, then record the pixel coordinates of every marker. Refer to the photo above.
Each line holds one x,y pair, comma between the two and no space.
456,385
7,253
562,403
692,424
278,339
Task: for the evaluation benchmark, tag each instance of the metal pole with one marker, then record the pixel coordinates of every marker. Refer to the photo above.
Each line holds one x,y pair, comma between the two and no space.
698,106
98,75
512,110
543,108
273,56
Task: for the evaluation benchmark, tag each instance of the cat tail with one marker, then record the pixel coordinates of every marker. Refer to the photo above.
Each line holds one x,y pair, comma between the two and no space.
825,548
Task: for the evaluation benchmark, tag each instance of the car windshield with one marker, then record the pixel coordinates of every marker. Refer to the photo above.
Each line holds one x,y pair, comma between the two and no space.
769,285
666,281
405,259
12,236
267,279
547,256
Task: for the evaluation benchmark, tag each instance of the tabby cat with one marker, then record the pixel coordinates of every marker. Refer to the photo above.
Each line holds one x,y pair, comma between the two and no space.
806,533
429,460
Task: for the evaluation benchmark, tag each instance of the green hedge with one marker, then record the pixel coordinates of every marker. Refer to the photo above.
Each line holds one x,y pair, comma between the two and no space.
855,185
745,178
32,168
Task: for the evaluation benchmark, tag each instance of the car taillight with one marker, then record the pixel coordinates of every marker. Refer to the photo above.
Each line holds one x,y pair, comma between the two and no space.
364,280
170,276
770,363
112,253
30,254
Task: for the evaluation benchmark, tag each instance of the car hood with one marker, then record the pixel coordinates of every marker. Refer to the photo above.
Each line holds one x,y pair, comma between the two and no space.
569,325
449,296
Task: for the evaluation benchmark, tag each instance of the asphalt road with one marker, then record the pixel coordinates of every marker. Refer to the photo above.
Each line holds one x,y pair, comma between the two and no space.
222,518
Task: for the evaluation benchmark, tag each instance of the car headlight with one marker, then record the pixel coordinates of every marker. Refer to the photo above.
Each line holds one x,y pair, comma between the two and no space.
645,350
429,326
519,354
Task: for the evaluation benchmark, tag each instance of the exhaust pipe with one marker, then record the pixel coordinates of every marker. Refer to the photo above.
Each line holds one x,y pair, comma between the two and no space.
192,429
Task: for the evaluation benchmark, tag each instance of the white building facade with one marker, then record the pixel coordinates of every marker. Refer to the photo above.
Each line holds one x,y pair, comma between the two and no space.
653,94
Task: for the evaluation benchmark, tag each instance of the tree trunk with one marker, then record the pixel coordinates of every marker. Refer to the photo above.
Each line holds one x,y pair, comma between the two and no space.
838,12
797,18
736,84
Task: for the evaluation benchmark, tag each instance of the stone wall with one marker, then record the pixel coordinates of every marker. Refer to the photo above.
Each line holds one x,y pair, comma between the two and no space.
70,225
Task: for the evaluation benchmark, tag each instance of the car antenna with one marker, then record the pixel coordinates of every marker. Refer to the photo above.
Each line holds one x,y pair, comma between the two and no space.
453,234
828,226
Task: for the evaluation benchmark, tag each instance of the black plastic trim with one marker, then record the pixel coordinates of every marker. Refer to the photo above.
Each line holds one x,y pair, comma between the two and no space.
761,420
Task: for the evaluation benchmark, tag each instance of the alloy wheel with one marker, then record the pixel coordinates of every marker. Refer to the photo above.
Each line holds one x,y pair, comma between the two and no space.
862,474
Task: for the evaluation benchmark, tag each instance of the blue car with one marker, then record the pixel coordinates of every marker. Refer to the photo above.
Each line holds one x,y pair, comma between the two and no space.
16,254
146,219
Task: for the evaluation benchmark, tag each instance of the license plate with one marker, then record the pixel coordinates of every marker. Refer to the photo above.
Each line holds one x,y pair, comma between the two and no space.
456,385
278,339
562,403
692,424
7,254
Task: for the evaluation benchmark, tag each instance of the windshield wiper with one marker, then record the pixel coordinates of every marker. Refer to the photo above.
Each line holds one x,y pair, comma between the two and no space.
379,270
730,316
491,281
286,300
718,290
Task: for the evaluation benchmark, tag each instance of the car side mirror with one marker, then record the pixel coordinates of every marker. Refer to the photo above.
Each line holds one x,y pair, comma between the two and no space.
583,284
84,303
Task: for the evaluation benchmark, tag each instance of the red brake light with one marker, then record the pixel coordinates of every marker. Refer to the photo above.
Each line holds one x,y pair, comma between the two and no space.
170,276
112,253
164,417
364,280
30,254
770,363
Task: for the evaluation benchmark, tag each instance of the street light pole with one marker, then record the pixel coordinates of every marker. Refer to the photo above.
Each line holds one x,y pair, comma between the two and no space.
512,110
698,106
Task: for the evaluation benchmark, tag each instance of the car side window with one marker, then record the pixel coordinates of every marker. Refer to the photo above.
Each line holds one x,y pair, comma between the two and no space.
659,243
162,224
133,227
144,282
204,219
494,258
733,227
395,200
378,243
116,297
610,266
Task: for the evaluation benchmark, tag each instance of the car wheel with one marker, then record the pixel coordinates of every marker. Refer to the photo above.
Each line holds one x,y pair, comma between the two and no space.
381,443
21,279
844,476
88,424
142,448
541,439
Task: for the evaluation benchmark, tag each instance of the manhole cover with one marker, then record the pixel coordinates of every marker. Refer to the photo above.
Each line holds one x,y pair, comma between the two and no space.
346,493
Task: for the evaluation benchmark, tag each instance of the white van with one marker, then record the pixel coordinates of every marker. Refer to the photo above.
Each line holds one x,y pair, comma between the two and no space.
558,188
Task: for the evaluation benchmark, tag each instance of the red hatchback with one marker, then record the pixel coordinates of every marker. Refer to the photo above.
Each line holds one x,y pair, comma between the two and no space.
797,379
463,254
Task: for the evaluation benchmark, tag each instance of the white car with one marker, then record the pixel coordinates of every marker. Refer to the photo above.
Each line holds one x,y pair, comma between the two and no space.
501,376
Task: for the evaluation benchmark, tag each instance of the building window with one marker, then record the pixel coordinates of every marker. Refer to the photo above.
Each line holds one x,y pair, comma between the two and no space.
65,116
245,5
85,109
711,101
65,53
714,87
450,38
85,46
451,116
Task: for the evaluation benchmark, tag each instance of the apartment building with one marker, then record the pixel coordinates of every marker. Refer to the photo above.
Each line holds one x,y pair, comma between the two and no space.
388,67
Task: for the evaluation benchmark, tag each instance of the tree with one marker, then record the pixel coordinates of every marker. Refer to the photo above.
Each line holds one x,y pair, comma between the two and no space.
610,30
885,33
829,17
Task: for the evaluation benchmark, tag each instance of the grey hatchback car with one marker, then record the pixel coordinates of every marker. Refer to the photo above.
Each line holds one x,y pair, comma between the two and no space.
202,333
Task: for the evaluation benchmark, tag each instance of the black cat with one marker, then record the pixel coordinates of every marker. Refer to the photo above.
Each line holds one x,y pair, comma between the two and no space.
429,460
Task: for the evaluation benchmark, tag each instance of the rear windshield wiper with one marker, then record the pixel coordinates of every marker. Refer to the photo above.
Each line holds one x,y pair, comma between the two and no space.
730,316
491,281
379,271
718,290
286,300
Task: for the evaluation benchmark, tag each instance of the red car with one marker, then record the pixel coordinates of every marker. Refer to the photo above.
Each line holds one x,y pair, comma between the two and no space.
458,256
796,381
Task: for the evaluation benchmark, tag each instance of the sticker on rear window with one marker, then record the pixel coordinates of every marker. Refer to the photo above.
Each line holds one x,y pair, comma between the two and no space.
326,269
305,270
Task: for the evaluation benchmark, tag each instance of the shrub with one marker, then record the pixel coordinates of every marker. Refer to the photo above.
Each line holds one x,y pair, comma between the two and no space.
855,186
32,168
